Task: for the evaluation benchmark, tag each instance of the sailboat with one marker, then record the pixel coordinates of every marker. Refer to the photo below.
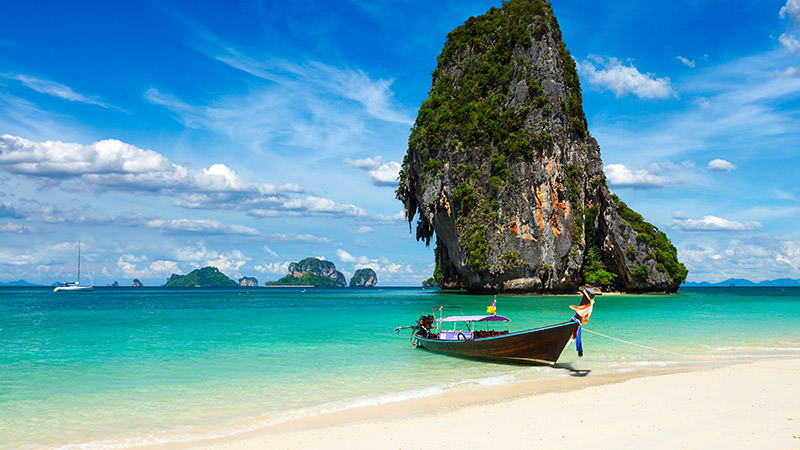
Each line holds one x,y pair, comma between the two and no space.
74,286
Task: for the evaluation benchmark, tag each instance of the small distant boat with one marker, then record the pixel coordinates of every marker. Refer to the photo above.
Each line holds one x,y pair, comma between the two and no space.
74,286
460,335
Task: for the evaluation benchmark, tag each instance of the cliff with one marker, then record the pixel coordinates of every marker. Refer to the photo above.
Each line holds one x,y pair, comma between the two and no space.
205,277
502,169
312,272
248,282
364,278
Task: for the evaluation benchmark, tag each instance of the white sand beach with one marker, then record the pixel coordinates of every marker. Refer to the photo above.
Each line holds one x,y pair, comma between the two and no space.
751,405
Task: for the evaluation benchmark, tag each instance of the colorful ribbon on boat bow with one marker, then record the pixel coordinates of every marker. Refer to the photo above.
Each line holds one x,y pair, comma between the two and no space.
577,337
584,312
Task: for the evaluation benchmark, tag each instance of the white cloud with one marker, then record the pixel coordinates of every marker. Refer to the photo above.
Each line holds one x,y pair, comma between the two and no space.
366,163
128,264
300,238
791,9
381,173
322,206
622,80
364,229
112,164
720,165
710,223
204,226
198,256
12,227
56,90
281,268
791,42
620,176
379,265
385,175
688,62
270,252
375,96
756,258
344,256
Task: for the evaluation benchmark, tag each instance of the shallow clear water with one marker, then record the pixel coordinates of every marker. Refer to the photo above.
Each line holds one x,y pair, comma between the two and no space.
118,367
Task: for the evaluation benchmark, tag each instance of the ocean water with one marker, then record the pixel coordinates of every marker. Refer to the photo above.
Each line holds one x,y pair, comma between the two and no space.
115,368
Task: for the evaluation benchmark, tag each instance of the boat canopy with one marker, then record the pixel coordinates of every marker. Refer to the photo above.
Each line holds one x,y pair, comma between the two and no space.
487,318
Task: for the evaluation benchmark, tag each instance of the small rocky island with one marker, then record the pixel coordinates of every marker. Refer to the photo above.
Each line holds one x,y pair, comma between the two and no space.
248,282
312,272
502,169
205,277
364,278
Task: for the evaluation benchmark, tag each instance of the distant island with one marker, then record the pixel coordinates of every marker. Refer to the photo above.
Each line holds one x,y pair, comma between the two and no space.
312,272
364,278
248,282
741,282
205,277
18,283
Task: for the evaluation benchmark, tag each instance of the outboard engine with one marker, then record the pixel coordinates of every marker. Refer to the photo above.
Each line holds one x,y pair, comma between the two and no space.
424,325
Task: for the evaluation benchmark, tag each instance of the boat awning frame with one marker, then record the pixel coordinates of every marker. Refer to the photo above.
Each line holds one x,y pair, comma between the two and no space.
486,318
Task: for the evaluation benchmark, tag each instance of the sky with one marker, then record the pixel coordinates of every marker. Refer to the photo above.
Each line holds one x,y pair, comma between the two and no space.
168,136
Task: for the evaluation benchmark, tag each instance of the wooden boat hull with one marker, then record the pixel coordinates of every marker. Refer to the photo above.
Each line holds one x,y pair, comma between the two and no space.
537,346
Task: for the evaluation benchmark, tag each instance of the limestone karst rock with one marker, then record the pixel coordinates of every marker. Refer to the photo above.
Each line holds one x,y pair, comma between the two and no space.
364,278
501,168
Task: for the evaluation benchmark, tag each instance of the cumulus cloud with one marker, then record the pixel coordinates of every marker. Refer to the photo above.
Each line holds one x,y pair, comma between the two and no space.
686,61
365,163
276,267
710,223
198,256
720,165
129,265
612,74
381,173
791,42
755,258
11,227
112,164
380,265
55,89
364,229
385,175
791,10
620,176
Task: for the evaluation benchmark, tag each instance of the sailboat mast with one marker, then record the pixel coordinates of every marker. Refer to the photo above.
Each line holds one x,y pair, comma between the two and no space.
79,262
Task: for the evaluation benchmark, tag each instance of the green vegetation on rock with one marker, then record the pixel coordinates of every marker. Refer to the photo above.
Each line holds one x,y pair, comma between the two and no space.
665,254
312,272
205,277
307,279
364,278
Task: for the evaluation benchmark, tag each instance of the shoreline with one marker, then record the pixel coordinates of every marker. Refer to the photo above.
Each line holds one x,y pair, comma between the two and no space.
575,409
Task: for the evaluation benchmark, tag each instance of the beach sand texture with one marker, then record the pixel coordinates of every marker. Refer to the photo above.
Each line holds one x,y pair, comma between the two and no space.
754,405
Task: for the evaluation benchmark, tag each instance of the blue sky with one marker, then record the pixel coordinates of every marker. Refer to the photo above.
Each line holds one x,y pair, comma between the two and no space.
167,136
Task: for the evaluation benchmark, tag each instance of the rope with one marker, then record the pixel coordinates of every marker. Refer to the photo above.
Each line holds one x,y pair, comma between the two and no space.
634,343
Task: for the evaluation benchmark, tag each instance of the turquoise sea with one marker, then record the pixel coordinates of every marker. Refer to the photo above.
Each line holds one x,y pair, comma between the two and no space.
115,368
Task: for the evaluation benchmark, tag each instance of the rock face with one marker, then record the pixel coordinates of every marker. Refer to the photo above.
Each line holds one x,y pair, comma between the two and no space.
312,272
502,169
364,278
205,277
248,282
137,283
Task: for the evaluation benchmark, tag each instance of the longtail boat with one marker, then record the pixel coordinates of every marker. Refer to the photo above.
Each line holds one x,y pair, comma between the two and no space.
462,336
